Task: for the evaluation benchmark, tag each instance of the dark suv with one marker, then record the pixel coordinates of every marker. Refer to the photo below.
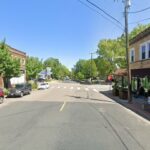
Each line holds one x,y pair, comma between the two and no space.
20,90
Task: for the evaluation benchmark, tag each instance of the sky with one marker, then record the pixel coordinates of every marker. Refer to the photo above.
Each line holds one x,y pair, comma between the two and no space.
63,29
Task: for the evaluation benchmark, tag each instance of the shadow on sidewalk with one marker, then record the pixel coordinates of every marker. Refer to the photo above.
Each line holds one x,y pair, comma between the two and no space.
135,106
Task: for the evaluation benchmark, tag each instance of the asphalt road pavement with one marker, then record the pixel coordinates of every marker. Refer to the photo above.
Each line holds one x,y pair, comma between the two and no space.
70,116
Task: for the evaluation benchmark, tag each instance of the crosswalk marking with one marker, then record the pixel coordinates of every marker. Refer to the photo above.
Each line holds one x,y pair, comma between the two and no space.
71,88
95,90
78,88
86,89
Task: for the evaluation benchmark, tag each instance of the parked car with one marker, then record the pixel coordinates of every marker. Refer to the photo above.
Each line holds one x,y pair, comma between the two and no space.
43,85
1,95
20,90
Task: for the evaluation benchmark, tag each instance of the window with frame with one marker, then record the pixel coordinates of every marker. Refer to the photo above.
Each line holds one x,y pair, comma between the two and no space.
143,52
148,46
132,55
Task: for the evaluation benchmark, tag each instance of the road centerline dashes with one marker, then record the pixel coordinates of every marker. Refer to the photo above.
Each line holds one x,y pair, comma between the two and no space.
62,107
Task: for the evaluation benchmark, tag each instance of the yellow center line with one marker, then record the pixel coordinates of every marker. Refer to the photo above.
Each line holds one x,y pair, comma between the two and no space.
62,107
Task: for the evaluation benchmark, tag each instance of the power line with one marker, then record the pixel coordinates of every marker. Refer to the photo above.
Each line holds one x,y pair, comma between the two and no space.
104,12
134,12
136,22
100,14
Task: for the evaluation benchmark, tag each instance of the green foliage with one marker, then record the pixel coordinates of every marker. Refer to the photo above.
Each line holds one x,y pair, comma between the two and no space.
83,70
33,67
6,91
112,52
80,76
59,71
137,30
34,85
9,67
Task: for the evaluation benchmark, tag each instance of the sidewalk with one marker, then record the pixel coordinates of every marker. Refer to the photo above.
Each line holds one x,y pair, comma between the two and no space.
135,106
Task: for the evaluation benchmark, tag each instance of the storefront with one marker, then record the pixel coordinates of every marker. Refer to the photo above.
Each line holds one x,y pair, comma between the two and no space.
140,78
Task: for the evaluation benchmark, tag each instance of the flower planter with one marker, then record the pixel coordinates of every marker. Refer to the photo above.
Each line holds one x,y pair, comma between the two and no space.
123,94
115,92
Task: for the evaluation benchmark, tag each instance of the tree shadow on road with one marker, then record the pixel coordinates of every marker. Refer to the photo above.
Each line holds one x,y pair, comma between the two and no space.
92,99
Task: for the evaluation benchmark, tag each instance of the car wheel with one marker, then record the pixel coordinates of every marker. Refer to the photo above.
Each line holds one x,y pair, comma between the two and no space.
21,94
1,100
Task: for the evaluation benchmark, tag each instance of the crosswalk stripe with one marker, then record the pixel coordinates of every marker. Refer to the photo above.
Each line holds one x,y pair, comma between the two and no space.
86,89
64,87
58,87
78,88
95,90
71,88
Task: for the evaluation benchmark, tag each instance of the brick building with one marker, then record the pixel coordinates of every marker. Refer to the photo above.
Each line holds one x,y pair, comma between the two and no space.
22,56
139,56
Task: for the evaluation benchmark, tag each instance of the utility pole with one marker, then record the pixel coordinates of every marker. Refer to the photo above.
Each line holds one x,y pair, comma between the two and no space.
127,6
91,73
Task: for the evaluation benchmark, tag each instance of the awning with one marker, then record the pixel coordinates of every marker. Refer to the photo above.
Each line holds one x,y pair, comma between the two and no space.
140,72
120,72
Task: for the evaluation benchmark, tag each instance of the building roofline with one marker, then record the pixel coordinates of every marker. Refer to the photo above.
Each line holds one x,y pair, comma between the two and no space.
11,48
141,35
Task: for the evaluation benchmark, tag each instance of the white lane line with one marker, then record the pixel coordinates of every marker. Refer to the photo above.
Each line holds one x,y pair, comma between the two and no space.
86,89
71,88
64,87
95,90
78,88
58,87
62,107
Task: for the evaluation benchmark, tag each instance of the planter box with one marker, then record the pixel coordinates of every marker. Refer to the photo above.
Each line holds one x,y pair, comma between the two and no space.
123,94
146,106
115,92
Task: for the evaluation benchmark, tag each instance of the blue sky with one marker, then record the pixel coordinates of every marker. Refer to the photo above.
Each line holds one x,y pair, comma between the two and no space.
64,29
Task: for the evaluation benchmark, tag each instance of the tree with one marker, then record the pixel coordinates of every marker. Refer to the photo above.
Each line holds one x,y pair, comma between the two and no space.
9,66
82,69
59,71
111,54
80,76
137,30
33,67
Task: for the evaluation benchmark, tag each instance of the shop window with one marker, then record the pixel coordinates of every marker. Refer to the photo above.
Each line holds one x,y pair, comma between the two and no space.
148,50
132,55
143,52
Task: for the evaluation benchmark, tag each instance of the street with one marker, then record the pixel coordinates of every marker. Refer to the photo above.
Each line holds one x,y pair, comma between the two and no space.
70,116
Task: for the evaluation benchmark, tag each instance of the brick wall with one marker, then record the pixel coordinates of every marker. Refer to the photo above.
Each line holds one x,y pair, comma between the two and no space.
18,54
